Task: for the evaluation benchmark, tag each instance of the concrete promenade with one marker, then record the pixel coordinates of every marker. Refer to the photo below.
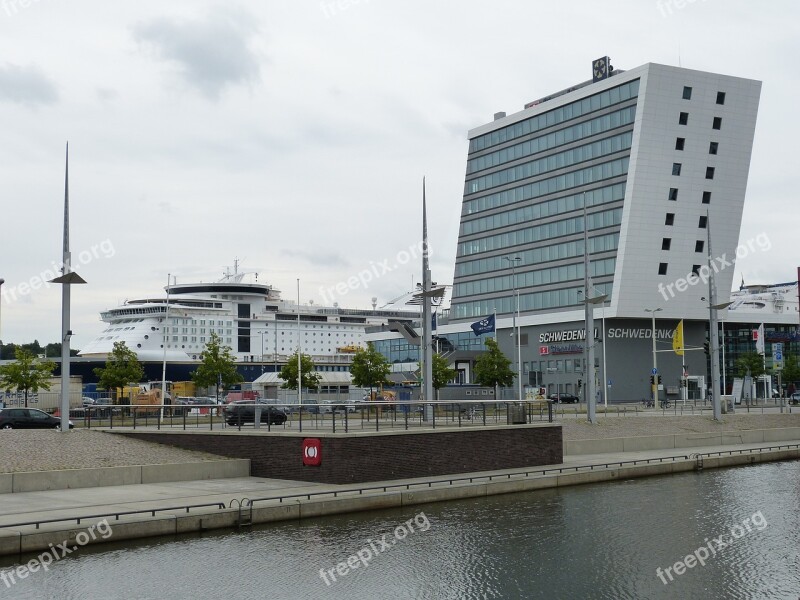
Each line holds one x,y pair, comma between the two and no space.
96,503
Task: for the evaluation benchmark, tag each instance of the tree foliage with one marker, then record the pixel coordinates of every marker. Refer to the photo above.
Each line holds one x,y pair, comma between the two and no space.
122,368
217,364
493,368
370,368
441,372
26,374
750,361
50,350
791,369
310,378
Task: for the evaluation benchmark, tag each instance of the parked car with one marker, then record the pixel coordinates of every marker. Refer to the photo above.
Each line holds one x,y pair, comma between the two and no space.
29,418
795,398
564,398
244,411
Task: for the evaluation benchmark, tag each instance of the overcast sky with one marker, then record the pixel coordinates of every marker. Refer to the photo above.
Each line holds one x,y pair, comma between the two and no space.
294,134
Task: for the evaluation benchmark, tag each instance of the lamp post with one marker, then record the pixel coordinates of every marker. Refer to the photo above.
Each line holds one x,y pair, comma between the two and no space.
603,342
654,387
514,260
713,336
2,281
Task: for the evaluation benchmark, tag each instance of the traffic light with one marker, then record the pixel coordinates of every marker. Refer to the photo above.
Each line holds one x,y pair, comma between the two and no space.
706,348
580,383
659,380
652,379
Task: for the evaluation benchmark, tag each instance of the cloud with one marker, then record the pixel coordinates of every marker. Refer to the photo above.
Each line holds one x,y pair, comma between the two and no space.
211,54
323,259
26,85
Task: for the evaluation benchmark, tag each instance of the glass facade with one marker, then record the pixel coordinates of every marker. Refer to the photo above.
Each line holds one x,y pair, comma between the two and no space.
547,170
400,351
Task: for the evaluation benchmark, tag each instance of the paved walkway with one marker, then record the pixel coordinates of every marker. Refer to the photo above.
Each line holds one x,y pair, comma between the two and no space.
31,506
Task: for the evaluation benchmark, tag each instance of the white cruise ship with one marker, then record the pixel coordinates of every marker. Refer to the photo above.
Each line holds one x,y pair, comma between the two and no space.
766,300
249,317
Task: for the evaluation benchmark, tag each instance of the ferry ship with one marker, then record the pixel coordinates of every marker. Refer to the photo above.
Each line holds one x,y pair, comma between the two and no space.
766,300
249,317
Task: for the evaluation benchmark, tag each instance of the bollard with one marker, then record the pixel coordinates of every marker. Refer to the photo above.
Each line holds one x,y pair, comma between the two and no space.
549,411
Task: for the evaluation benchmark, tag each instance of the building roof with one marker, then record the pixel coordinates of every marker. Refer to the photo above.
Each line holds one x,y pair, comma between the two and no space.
326,378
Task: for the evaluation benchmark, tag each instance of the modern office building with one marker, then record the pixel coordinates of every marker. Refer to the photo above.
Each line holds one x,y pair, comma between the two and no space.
653,162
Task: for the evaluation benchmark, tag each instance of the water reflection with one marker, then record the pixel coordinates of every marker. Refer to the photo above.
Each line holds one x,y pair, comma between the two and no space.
598,541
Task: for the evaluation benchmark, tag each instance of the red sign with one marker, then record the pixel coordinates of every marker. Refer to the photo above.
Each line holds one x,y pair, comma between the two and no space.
544,350
312,452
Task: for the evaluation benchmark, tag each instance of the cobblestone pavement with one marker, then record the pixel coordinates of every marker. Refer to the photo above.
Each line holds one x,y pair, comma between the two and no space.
610,427
46,450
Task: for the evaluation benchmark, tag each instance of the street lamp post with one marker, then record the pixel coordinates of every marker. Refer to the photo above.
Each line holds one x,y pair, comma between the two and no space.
654,386
603,342
2,281
514,260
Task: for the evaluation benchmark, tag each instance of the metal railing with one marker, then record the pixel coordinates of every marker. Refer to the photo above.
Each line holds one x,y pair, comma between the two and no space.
342,417
116,515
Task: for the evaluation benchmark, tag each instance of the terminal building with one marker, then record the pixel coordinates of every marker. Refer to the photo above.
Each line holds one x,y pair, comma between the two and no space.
652,163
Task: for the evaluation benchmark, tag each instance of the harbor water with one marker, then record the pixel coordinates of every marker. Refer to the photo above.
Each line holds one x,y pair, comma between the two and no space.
727,534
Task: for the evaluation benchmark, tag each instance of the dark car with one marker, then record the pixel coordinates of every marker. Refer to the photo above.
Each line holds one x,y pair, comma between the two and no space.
28,418
244,411
564,398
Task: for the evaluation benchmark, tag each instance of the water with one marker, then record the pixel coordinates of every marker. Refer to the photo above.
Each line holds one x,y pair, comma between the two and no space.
597,541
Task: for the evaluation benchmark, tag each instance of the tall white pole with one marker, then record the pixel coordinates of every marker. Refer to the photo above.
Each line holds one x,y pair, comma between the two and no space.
654,385
724,382
164,361
519,348
427,359
713,332
299,350
605,360
589,384
2,281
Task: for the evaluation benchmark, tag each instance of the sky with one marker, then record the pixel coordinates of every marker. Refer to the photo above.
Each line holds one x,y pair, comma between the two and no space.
293,135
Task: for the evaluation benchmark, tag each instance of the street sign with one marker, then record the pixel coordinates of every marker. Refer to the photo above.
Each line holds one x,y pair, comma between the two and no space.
609,383
654,371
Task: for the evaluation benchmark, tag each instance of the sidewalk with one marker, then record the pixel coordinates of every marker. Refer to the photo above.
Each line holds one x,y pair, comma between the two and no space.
32,506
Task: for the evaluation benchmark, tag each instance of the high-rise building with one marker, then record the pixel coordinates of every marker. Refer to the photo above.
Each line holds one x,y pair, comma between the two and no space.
653,162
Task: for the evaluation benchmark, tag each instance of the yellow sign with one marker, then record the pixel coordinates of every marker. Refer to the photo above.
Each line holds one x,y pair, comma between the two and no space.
677,339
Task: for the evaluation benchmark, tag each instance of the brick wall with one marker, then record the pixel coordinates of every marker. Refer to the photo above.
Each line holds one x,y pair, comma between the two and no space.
377,457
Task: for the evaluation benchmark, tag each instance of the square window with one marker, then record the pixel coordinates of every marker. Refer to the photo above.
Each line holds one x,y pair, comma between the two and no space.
709,172
676,168
720,97
679,142
670,220
683,118
706,197
717,123
673,193
662,268
703,222
687,92
696,269
666,243
713,147
698,245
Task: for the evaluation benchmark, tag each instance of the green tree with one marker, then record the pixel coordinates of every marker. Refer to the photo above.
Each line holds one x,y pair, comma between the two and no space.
791,369
122,368
370,368
217,365
441,372
752,362
493,368
310,378
27,373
